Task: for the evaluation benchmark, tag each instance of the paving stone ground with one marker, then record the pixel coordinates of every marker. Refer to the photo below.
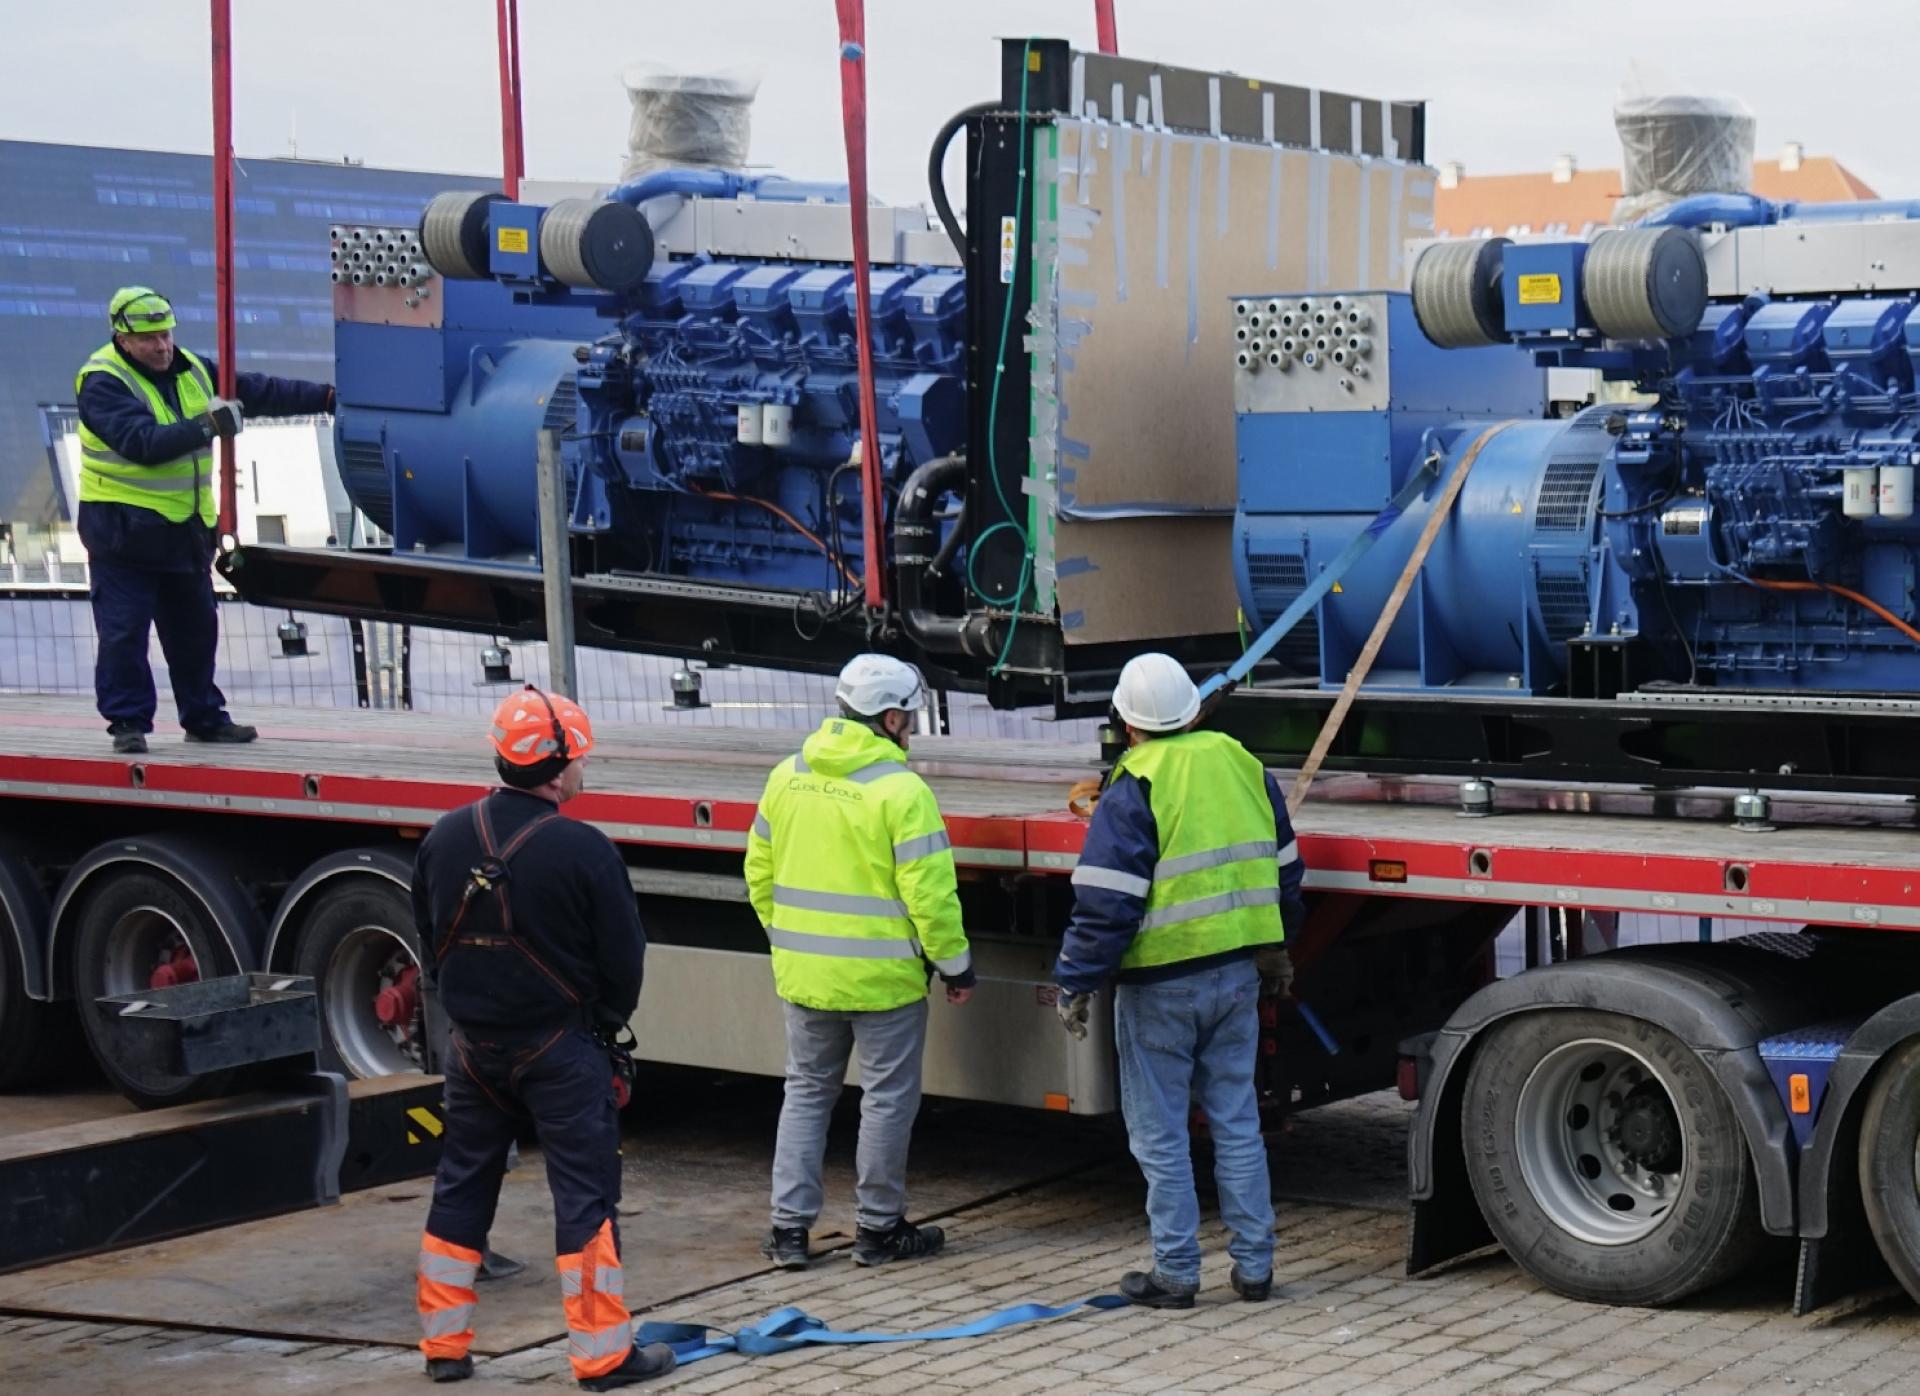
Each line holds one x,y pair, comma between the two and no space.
1343,1319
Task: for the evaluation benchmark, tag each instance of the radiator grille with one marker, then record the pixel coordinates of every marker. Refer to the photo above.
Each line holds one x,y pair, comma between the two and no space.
363,470
1563,604
561,406
1566,497
1278,578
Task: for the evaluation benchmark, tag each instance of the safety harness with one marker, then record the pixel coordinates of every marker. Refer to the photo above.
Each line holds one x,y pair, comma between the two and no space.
486,887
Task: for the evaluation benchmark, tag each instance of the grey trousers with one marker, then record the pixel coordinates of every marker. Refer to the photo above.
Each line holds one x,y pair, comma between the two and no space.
818,1045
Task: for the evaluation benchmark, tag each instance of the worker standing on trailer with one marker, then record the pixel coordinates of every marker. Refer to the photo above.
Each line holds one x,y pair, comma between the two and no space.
851,872
1186,884
529,932
149,503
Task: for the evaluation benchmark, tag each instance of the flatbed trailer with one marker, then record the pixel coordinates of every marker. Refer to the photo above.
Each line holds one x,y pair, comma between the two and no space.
1694,1100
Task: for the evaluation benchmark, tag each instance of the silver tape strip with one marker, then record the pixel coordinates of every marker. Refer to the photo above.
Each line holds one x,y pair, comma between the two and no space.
1313,117
1087,164
1165,192
1273,213
1140,115
1226,169
1363,258
1213,106
1358,126
1389,147
1199,149
1266,117
1122,162
1395,183
1077,84
1078,221
1159,103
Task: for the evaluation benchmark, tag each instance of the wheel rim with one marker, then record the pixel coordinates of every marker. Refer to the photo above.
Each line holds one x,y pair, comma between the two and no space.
368,962
142,940
1600,1142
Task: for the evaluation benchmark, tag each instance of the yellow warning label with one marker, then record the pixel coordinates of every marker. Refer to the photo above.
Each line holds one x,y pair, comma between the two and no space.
1540,288
515,240
1033,62
426,1119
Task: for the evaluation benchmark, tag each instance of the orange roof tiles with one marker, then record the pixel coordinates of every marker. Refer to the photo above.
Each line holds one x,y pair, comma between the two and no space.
1492,204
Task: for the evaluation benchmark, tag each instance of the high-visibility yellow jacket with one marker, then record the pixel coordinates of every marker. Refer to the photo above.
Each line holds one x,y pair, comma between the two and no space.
850,869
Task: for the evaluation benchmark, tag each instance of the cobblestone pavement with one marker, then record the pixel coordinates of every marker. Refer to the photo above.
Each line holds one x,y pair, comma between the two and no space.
1343,1319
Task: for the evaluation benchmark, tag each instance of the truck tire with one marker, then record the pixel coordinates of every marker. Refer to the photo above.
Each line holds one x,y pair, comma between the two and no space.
36,1039
1890,1162
1583,1132
133,920
358,944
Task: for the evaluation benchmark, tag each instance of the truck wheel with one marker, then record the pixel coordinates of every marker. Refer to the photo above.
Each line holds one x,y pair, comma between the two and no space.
1890,1163
1606,1158
359,946
139,929
36,1038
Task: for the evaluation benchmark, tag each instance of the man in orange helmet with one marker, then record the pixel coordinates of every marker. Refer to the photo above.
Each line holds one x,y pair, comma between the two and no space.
530,935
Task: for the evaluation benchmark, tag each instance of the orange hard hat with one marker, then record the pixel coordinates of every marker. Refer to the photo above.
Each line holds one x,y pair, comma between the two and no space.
530,727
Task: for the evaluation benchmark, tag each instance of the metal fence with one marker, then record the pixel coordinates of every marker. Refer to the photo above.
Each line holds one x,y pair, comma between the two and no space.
47,645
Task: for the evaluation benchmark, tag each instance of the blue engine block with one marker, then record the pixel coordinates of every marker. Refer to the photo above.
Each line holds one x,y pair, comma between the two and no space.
706,416
1747,521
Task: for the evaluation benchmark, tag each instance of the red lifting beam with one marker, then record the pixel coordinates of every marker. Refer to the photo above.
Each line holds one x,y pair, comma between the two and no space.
512,163
853,107
1103,25
223,247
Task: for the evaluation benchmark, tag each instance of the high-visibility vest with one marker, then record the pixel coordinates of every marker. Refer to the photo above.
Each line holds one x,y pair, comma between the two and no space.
1216,886
176,489
851,871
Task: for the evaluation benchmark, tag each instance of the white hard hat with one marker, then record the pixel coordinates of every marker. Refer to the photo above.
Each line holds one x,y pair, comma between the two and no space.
872,684
1155,695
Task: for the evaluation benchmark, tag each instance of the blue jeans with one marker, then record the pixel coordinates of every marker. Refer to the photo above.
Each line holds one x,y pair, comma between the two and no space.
1192,1038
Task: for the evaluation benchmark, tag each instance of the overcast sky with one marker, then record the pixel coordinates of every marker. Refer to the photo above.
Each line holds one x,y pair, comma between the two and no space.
413,83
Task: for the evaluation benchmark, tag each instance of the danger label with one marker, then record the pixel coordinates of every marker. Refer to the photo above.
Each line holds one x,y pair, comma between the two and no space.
515,240
1540,288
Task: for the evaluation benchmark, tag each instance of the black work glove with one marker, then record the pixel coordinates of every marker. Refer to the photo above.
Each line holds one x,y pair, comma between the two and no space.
223,417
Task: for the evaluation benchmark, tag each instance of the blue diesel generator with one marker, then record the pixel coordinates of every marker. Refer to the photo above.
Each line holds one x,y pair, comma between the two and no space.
1681,576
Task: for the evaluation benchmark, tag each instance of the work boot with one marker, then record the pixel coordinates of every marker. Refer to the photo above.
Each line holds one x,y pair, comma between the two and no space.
494,1266
449,1368
653,1360
127,739
1253,1291
901,1241
786,1246
1152,1290
226,732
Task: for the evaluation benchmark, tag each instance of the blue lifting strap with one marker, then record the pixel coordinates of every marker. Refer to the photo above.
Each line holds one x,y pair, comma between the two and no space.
788,1329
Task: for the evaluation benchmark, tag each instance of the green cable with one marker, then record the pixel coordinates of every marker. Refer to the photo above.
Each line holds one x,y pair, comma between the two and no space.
993,401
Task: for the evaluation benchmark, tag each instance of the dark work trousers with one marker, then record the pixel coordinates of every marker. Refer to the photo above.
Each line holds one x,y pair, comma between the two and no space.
127,601
560,1081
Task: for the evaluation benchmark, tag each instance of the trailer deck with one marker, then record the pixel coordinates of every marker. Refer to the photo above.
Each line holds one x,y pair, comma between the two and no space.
1836,860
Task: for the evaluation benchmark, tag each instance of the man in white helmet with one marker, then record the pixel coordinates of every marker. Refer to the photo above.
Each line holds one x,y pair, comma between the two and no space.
851,872
1189,877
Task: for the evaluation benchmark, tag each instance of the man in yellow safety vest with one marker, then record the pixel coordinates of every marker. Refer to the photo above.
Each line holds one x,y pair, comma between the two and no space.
851,872
1186,886
148,505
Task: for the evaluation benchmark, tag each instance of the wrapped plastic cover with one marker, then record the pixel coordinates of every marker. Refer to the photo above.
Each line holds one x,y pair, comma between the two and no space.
687,120
1675,145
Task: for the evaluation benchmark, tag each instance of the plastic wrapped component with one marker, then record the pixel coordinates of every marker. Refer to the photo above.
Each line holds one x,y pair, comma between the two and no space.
686,120
596,244
1674,146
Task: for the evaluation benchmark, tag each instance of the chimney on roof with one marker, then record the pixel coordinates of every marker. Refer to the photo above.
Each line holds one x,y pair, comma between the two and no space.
1563,168
1451,173
1791,154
